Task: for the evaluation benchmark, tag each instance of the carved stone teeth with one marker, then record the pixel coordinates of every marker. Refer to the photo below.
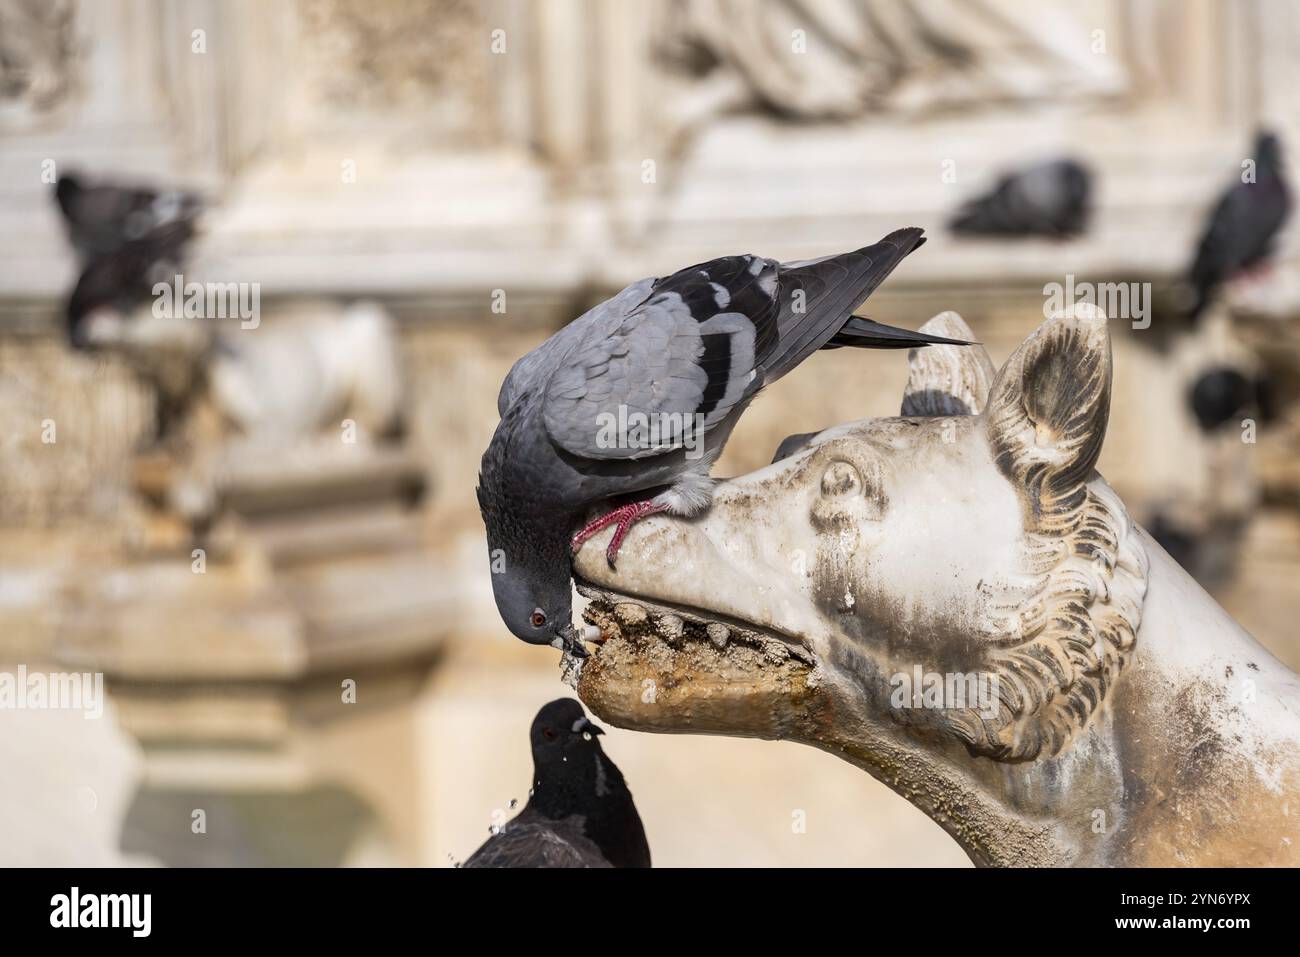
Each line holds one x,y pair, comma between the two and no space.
629,613
671,628
718,634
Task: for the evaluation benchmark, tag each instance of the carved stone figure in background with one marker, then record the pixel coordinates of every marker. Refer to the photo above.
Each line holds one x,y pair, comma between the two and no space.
842,59
37,48
226,391
845,596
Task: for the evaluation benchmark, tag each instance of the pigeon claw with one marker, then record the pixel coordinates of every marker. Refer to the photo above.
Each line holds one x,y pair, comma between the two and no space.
624,517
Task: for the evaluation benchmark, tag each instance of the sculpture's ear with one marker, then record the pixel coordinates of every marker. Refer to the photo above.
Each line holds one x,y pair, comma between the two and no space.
1046,415
948,380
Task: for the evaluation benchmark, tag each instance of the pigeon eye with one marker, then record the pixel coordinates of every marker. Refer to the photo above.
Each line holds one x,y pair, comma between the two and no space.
538,618
548,733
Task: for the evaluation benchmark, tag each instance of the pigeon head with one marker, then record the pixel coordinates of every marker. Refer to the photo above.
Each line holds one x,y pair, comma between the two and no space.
560,728
535,603
570,771
1268,150
531,564
1221,395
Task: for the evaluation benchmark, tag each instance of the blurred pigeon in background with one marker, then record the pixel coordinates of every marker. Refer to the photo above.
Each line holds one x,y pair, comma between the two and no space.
638,397
1241,228
113,284
580,812
100,219
1223,394
1050,199
126,238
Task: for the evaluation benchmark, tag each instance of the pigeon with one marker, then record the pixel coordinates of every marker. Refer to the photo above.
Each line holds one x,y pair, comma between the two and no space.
1050,199
1223,394
126,239
101,219
633,401
1240,230
579,813
113,284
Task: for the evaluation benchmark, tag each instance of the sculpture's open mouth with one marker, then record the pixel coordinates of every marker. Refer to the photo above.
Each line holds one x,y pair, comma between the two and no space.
662,667
642,622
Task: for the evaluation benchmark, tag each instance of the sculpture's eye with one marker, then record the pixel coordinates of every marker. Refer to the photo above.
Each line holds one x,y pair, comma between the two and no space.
538,618
841,478
852,492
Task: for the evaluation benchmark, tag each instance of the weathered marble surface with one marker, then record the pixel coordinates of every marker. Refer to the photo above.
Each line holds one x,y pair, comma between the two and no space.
1122,707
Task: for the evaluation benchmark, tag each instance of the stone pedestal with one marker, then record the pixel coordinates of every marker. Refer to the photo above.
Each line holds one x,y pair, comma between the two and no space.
277,669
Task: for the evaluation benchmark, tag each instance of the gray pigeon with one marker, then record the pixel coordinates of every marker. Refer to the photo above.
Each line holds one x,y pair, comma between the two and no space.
1240,231
580,812
634,400
1050,199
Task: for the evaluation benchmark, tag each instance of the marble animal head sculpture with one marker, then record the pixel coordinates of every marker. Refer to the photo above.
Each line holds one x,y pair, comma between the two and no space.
955,600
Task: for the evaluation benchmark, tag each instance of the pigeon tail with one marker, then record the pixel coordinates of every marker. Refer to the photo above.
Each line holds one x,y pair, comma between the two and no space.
863,333
818,296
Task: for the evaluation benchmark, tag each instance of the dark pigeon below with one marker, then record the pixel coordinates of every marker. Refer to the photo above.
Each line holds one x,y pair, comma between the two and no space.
580,812
1241,229
687,354
102,218
1050,199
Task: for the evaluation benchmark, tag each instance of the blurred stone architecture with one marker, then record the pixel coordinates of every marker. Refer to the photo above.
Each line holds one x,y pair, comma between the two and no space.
483,170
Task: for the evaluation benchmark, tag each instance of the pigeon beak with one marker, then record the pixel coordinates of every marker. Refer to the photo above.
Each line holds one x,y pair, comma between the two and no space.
567,640
584,726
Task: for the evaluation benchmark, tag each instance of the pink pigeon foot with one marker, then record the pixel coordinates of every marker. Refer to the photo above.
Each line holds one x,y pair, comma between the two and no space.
626,516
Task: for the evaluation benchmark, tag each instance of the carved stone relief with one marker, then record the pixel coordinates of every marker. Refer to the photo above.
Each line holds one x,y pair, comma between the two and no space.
37,54
844,59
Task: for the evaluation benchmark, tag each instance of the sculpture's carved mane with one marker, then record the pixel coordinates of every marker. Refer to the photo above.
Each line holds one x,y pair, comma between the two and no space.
1062,645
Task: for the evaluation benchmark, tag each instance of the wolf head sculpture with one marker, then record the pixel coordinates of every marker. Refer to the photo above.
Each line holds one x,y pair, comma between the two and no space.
934,596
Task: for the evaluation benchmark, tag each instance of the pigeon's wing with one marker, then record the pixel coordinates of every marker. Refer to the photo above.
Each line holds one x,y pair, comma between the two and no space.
532,369
1239,231
648,376
1217,252
1268,216
1048,199
537,844
117,279
124,278
703,342
1051,198
101,219
991,212
101,207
